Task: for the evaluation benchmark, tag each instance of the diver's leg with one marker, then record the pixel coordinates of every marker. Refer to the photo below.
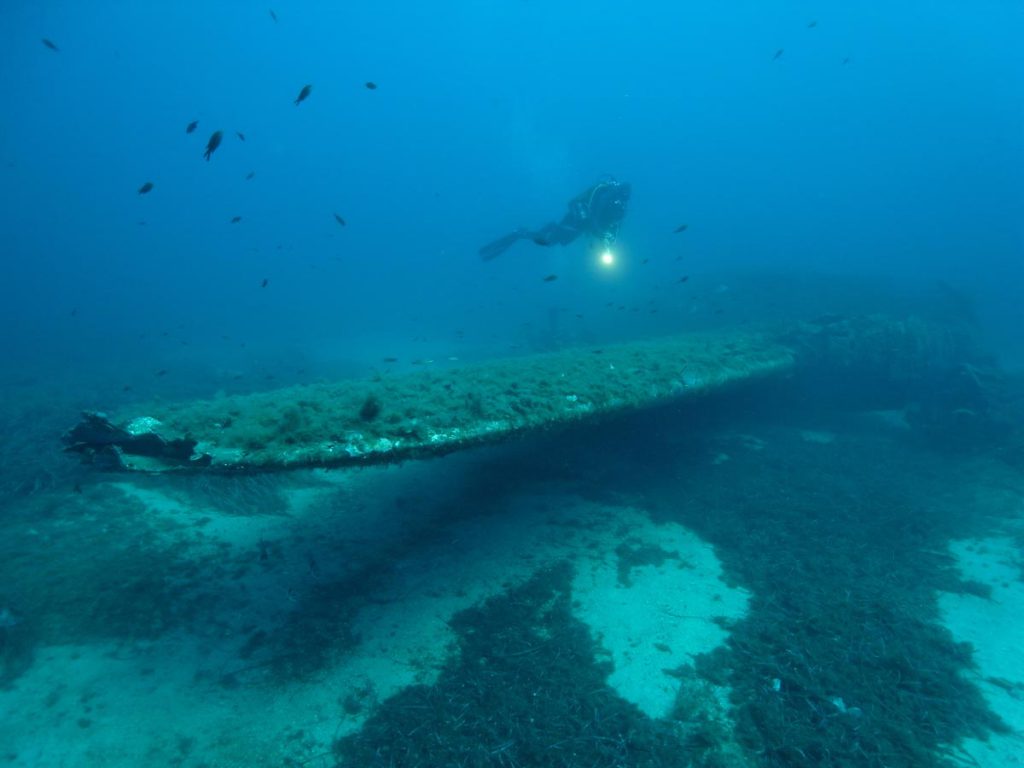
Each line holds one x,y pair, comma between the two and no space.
554,234
550,234
502,244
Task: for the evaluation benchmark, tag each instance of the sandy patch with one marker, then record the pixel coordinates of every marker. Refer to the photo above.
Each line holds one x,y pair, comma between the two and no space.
995,627
165,703
817,437
663,617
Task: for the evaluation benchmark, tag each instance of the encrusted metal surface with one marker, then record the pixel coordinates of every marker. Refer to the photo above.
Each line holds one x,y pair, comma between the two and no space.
433,412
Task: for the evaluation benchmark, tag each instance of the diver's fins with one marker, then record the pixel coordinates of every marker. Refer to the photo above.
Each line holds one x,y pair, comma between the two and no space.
502,244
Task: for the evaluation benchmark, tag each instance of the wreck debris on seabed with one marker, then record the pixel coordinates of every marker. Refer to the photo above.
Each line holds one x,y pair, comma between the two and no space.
431,413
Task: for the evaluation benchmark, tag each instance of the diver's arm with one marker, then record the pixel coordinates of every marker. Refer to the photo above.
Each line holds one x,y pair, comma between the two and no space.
607,210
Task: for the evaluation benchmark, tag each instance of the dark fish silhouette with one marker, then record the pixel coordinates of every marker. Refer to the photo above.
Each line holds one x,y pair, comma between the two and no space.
812,25
303,94
680,228
235,219
371,85
340,220
683,279
846,61
390,359
265,283
778,55
240,135
213,143
191,126
550,278
146,188
249,175
51,45
273,15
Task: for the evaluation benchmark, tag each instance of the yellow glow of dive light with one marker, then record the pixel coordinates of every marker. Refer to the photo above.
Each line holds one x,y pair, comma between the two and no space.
607,258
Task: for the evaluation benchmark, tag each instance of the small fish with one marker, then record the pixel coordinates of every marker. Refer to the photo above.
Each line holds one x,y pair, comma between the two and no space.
51,45
680,228
213,143
370,85
162,371
240,135
778,55
812,24
550,278
235,219
340,220
191,126
390,359
249,175
265,283
273,15
146,188
303,94
846,61
683,279
314,567
645,261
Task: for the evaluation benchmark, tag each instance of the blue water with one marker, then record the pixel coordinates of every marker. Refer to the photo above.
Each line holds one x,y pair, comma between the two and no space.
904,163
823,157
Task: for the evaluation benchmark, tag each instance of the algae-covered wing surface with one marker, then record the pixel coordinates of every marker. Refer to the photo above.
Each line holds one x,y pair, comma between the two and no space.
431,412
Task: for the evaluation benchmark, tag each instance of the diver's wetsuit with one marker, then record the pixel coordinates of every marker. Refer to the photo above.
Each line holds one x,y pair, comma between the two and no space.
597,212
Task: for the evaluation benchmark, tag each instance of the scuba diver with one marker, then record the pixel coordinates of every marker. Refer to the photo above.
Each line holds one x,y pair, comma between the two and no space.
597,212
